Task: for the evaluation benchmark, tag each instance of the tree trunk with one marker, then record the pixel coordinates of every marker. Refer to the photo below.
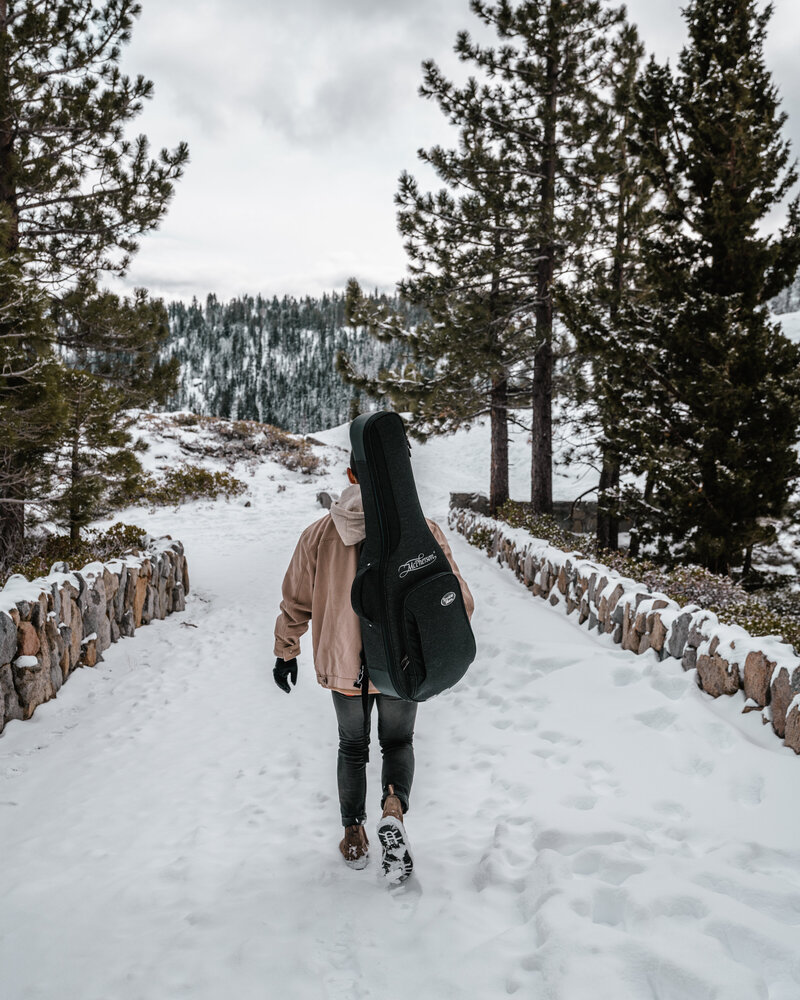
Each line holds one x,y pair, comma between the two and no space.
498,476
607,518
542,402
542,437
12,526
74,505
633,550
9,209
12,515
498,493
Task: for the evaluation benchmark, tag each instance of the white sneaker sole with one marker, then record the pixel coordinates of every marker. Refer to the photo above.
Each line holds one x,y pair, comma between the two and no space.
397,861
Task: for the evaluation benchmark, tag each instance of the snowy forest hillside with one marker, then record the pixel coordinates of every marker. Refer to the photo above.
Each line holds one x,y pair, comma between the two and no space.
271,360
246,359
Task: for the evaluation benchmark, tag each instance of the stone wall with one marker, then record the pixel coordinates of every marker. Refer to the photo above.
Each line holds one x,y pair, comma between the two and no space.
51,626
727,659
579,516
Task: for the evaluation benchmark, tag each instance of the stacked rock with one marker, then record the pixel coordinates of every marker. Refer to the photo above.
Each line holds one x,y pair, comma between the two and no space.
51,626
726,657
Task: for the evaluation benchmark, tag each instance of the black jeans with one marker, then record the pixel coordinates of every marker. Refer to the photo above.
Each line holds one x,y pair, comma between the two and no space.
396,737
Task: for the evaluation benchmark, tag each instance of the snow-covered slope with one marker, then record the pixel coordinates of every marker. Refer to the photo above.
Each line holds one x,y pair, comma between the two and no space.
587,824
460,463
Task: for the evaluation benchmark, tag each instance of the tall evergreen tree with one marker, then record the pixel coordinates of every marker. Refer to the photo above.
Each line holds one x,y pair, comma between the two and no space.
485,253
718,444
75,193
464,246
554,64
605,369
31,411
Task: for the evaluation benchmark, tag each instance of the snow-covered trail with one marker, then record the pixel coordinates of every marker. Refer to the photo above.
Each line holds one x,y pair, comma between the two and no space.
586,823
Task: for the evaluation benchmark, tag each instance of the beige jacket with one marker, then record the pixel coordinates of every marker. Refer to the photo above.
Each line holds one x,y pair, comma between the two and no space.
317,587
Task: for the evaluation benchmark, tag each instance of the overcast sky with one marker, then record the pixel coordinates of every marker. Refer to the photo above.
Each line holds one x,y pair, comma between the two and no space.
300,117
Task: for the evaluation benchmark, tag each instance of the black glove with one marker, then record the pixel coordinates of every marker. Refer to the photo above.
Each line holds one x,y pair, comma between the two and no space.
283,670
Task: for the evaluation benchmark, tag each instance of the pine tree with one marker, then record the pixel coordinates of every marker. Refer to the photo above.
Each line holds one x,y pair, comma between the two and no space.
554,64
111,345
98,467
718,441
118,340
464,245
486,252
604,371
75,193
31,411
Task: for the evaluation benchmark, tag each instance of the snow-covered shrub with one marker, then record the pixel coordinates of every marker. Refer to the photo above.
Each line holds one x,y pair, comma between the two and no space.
300,458
189,482
482,538
231,441
45,551
547,527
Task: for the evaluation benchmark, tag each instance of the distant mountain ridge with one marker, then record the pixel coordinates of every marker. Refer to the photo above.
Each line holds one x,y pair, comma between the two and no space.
272,360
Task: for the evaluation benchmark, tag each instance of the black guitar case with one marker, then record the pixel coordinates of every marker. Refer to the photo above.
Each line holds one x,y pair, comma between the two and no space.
416,635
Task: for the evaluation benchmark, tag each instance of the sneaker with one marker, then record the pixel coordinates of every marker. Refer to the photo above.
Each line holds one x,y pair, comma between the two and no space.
397,860
355,846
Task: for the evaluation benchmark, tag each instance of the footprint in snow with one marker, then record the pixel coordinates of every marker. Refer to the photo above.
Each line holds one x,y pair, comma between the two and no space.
658,719
584,802
605,866
623,676
553,736
405,897
673,811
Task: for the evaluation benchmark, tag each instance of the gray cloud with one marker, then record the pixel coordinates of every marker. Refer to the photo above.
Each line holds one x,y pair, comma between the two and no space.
301,115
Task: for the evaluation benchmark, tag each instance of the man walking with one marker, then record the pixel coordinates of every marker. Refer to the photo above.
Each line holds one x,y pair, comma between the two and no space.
316,588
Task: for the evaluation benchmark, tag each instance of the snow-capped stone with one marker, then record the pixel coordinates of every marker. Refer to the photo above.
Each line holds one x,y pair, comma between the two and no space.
90,652
716,675
32,683
785,685
679,634
8,638
27,640
792,735
757,673
127,625
10,707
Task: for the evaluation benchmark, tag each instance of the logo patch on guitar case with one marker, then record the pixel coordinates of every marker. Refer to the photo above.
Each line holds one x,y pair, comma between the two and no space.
414,564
